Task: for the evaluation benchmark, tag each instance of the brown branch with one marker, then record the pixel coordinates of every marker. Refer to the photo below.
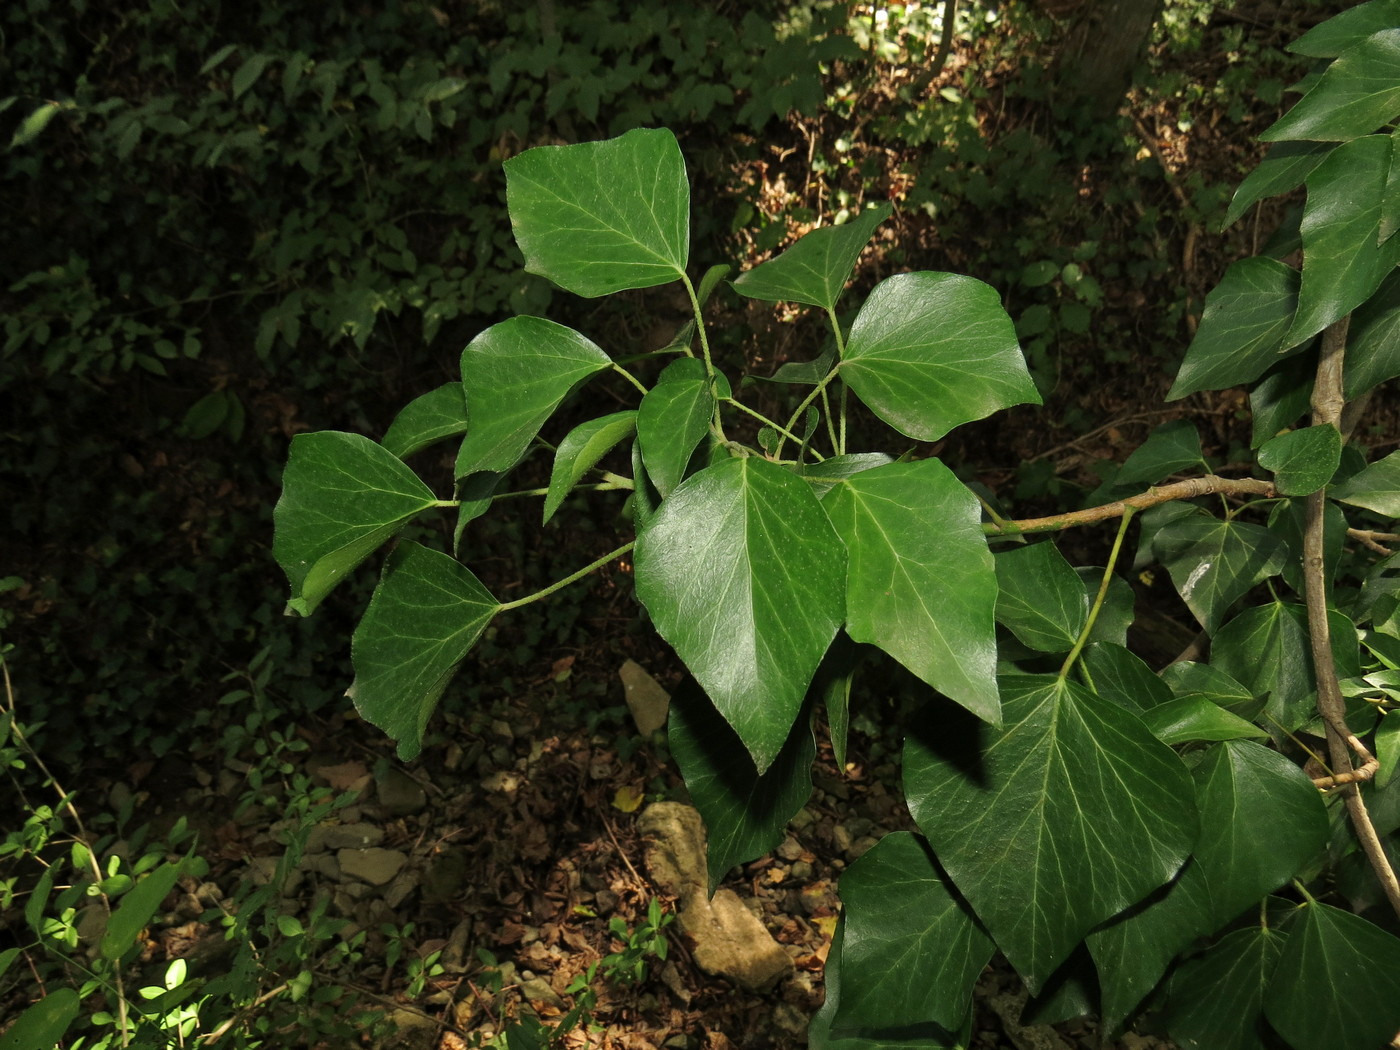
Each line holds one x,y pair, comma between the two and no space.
1327,405
1188,489
1373,540
1370,765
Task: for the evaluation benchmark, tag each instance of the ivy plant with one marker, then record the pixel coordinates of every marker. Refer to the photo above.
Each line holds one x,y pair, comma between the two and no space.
1195,840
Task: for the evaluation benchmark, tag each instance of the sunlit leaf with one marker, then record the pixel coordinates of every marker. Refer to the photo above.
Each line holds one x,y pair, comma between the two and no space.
342,496
602,217
1347,29
1116,674
1060,819
920,581
671,420
929,351
744,576
1040,597
1357,94
1191,718
815,269
425,615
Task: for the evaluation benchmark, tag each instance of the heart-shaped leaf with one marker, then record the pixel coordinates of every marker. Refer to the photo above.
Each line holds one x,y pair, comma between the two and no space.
912,949
1302,460
929,351
673,417
1065,816
1114,673
1216,1000
1347,29
438,414
1172,447
1357,94
920,581
1040,597
516,374
342,496
1376,488
602,217
815,269
425,615
1214,562
743,574
1190,718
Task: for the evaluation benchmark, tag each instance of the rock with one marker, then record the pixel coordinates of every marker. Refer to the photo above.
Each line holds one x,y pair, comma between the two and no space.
444,876
399,794
538,991
410,1030
790,849
375,866
729,940
343,836
404,883
861,846
801,871
646,699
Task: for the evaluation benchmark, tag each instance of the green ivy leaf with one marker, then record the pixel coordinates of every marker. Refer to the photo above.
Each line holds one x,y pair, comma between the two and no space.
581,448
1216,999
428,418
425,615
1116,674
1282,396
1376,488
1357,94
920,581
1214,562
1188,678
342,496
1040,598
1266,649
673,417
1304,460
1373,338
1262,822
1170,448
827,474
1242,328
912,949
1342,265
743,574
602,217
1337,982
1191,718
745,812
516,374
1347,29
1284,169
929,351
1071,812
137,908
815,269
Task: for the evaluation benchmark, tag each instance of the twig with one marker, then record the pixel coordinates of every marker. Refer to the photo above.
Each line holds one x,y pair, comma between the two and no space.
1373,540
1188,489
1370,765
1327,405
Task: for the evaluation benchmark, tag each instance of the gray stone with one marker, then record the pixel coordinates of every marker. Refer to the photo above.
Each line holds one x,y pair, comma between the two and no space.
343,836
411,1030
537,990
790,849
399,794
375,866
646,698
404,883
801,871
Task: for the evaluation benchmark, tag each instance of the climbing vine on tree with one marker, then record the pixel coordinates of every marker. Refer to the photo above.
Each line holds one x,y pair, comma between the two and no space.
1195,840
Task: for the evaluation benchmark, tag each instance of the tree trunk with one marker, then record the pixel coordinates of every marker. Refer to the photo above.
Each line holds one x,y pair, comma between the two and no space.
1101,50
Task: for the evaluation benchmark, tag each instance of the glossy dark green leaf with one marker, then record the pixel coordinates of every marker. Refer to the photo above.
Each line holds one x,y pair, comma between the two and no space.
1282,397
920,581
1193,718
425,615
1187,678
1347,29
430,417
815,269
137,908
1304,460
581,449
711,280
1262,822
820,1034
1373,338
1376,488
1342,265
342,496
1214,562
824,476
1216,1000
929,351
1285,168
1390,197
1287,521
1172,447
745,812
1242,328
42,1025
1116,674
1266,649
1133,950
912,949
744,576
671,420
602,217
515,374
1118,610
833,681
1070,813
1337,982
1041,599
1357,94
